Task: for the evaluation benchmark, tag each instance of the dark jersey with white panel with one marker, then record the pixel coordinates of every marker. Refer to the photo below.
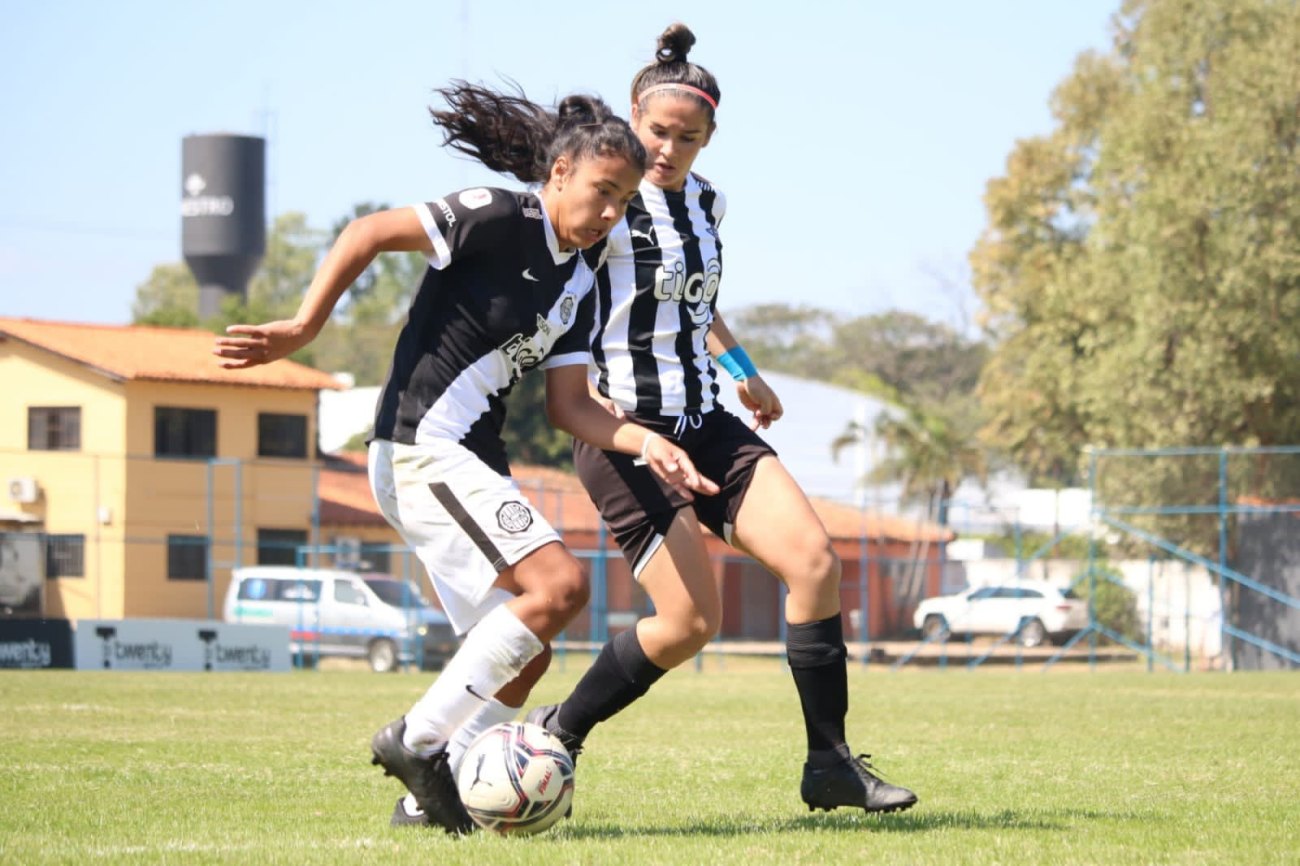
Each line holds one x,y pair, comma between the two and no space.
655,300
498,298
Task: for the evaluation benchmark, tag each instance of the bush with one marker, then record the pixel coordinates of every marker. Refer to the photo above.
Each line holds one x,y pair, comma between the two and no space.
1114,605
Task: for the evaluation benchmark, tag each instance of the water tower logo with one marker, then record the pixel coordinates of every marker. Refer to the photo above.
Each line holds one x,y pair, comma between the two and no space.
196,204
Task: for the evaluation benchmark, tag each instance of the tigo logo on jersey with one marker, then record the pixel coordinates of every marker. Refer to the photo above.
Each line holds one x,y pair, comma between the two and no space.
475,198
699,288
514,517
522,354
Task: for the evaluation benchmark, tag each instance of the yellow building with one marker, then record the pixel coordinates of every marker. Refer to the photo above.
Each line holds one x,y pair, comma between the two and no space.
124,449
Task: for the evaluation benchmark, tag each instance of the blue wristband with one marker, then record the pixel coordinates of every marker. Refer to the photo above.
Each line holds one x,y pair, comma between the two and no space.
736,362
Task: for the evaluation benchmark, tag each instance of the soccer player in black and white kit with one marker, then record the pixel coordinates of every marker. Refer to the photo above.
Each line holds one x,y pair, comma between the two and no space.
508,289
658,336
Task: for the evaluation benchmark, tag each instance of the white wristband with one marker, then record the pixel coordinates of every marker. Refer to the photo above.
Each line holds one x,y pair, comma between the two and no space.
645,444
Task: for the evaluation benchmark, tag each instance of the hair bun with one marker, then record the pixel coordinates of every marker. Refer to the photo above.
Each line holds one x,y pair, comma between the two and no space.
675,43
579,109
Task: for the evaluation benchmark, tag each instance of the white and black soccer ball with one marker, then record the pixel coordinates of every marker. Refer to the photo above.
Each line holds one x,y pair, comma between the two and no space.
516,778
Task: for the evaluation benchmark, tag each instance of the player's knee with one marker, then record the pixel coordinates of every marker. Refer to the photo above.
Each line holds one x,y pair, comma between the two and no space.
695,630
824,564
813,569
568,588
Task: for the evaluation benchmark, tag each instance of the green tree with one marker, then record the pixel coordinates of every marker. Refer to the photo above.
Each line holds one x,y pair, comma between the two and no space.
924,450
894,352
529,437
169,297
1139,268
361,336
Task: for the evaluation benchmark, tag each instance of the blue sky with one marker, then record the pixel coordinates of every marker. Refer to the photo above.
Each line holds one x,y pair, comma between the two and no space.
854,143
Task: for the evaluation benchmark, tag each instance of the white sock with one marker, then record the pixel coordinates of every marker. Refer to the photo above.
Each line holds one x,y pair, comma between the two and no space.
494,653
489,715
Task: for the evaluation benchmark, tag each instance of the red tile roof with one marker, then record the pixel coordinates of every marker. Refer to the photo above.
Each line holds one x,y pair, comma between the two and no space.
346,501
140,352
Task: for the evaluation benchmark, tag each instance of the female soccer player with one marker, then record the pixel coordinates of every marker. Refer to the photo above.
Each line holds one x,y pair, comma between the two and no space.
508,287
657,330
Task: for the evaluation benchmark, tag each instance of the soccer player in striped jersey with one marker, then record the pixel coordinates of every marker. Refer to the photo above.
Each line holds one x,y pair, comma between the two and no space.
656,349
508,289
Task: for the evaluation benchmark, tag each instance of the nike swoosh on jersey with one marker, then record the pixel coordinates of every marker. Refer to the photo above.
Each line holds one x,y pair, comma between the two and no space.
528,276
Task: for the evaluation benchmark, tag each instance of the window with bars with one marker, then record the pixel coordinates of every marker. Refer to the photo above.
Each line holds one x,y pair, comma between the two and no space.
187,557
281,435
279,546
180,432
54,428
65,556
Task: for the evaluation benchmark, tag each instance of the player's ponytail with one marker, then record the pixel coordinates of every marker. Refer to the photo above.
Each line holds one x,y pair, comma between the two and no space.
512,135
672,71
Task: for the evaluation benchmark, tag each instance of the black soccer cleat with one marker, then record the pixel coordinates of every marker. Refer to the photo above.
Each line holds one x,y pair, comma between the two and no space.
549,717
428,779
851,783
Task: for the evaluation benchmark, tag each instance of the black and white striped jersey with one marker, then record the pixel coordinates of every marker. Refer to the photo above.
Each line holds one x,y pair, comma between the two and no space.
655,300
498,298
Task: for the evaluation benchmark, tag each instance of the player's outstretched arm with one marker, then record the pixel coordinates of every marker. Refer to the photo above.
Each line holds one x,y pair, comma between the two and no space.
356,247
569,406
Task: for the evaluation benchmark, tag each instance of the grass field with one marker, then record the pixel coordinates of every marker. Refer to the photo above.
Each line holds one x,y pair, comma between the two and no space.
1063,767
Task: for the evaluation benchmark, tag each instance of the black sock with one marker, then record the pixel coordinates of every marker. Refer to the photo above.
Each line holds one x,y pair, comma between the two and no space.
620,675
816,653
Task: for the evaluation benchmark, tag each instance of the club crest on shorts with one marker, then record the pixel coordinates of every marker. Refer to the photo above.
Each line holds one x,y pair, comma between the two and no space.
514,517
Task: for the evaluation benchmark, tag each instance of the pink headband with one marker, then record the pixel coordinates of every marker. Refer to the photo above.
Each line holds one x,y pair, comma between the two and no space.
713,103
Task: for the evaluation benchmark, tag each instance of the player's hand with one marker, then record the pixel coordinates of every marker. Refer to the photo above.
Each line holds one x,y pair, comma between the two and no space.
670,463
756,396
254,345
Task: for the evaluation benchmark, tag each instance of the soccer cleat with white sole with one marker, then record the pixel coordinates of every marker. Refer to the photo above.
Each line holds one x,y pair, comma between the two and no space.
428,779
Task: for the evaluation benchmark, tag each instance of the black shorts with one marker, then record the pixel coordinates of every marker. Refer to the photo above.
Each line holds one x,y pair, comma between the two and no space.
638,507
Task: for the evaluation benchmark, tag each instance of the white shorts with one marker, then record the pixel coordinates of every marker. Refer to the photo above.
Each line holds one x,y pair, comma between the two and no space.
466,522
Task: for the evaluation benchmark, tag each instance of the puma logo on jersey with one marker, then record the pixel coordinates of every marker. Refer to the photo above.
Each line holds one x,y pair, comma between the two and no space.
528,276
648,237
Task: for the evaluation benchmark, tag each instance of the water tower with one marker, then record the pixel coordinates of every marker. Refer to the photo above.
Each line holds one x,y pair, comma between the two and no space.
223,213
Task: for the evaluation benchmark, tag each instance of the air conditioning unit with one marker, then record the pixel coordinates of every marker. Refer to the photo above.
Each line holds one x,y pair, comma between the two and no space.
24,490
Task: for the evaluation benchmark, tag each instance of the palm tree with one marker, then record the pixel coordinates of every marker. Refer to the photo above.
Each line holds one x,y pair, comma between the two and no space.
930,454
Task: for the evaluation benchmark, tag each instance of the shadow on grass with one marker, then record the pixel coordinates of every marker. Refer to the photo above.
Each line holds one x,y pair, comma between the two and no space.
923,821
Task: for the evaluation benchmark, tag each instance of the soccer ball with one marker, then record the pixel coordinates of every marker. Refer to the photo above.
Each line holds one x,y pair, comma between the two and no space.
516,778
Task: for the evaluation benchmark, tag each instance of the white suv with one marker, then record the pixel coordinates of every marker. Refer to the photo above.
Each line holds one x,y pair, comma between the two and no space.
1039,610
